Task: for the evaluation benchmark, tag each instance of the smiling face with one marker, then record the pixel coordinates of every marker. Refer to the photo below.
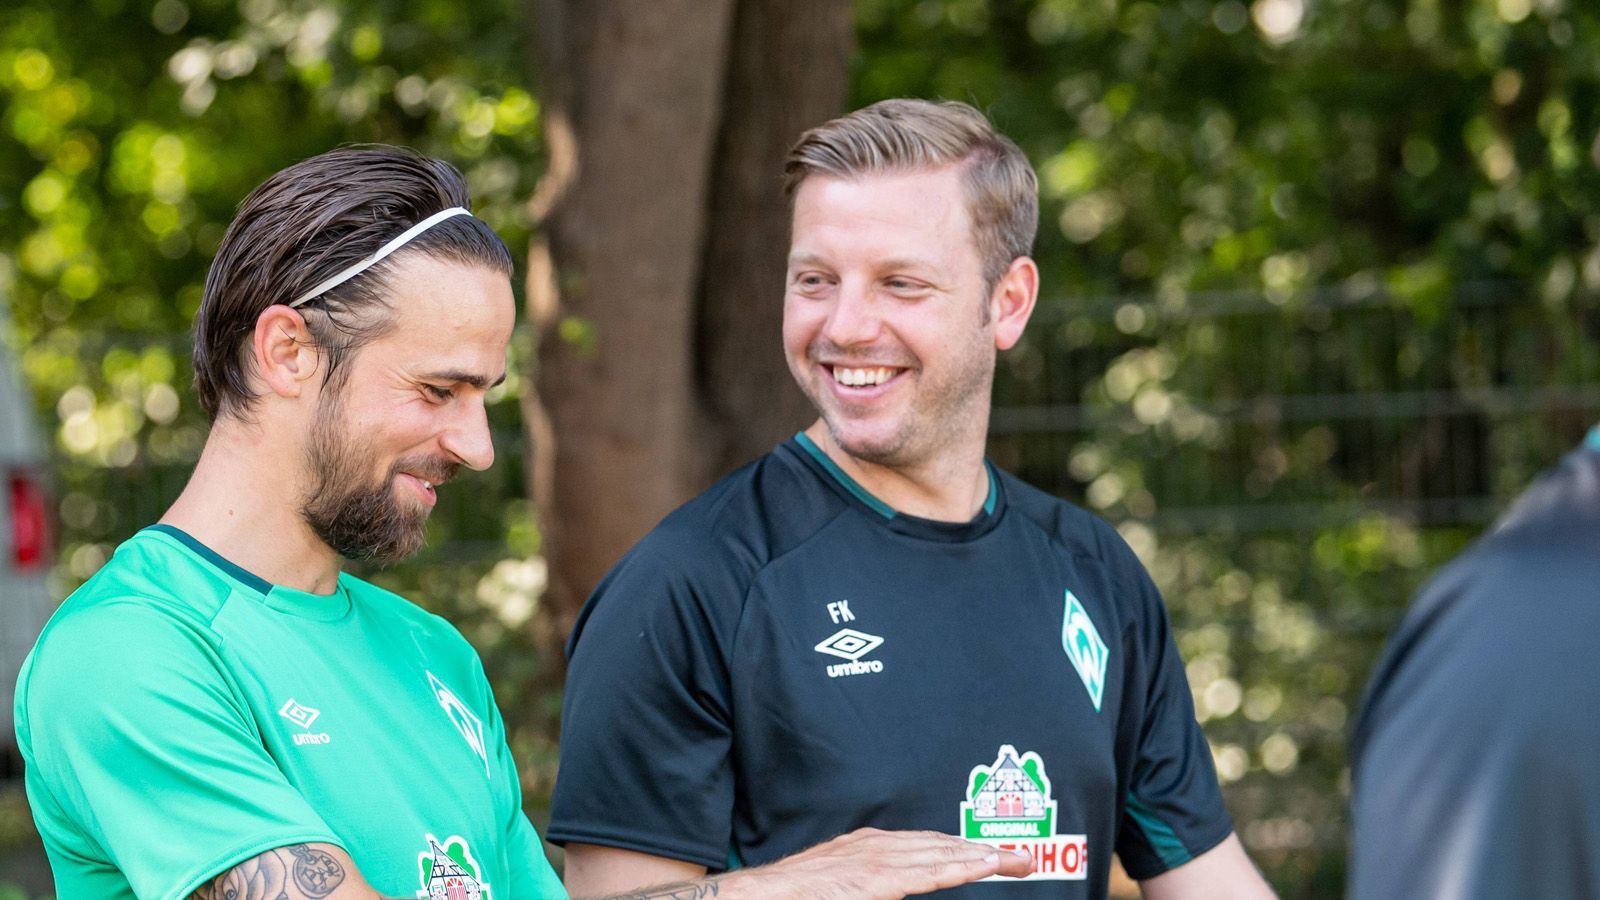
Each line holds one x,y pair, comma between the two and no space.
884,317
410,412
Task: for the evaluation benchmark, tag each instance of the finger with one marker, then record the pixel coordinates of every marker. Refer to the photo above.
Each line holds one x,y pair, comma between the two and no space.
956,873
1015,863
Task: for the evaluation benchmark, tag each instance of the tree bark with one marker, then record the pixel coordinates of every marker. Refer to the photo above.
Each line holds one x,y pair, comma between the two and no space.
655,278
787,71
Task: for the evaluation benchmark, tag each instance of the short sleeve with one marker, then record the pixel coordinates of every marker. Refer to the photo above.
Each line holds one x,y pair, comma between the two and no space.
1173,810
646,729
139,752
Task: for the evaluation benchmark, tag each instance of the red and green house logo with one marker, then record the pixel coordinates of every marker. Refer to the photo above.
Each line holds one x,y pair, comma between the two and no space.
1009,799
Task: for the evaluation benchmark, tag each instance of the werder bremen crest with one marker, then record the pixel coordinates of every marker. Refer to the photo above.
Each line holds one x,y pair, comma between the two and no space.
450,872
1009,806
1089,654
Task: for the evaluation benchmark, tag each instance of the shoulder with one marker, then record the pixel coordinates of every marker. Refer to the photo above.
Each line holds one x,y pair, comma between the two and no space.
1074,529
107,656
147,596
738,525
1503,630
433,634
701,560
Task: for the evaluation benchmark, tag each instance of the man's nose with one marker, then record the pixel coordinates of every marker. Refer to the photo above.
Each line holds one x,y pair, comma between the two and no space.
854,319
467,438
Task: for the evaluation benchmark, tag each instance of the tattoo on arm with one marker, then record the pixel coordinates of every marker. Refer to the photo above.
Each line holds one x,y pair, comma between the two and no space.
296,872
682,890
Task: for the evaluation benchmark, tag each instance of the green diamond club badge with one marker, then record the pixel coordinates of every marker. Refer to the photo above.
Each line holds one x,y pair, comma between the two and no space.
1009,806
1089,654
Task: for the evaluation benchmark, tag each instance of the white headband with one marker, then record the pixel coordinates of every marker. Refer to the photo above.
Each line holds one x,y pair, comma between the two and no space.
352,271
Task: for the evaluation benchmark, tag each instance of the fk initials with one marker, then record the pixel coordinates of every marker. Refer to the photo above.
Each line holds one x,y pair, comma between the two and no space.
839,611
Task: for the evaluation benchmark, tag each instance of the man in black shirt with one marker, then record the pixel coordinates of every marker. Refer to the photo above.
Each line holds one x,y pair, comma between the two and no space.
871,625
1475,753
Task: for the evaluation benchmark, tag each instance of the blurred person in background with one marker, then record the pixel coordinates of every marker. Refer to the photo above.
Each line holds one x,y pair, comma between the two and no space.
872,625
1474,754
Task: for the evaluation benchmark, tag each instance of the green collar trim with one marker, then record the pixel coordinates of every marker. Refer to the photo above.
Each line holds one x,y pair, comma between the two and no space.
232,570
845,481
1593,440
878,506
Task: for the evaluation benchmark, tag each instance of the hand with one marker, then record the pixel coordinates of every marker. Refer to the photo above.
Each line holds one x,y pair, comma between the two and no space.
870,864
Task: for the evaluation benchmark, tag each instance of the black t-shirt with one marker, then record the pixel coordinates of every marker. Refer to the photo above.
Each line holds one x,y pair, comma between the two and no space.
1477,750
786,658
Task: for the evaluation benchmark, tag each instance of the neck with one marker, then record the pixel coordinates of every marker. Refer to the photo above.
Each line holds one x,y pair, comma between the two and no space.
951,487
243,501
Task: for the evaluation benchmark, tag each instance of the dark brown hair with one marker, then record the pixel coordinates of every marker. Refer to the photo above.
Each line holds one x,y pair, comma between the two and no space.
898,135
307,222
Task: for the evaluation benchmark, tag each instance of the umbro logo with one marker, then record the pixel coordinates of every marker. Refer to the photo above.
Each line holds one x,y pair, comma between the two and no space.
850,644
303,716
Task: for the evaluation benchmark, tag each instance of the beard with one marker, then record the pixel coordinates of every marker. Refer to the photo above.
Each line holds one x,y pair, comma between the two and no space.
945,408
360,517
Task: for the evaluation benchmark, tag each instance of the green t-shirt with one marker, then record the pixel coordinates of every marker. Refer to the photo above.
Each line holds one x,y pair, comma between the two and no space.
180,715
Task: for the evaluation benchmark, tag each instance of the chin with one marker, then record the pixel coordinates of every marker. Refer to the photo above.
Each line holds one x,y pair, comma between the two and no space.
869,446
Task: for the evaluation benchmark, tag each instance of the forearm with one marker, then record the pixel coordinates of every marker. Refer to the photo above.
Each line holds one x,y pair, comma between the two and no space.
292,872
1224,872
711,886
863,865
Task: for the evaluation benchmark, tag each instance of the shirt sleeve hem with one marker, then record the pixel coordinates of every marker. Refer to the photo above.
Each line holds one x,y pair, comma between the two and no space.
1200,848
697,855
225,861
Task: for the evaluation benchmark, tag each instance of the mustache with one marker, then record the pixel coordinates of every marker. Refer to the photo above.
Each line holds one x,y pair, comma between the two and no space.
821,349
432,469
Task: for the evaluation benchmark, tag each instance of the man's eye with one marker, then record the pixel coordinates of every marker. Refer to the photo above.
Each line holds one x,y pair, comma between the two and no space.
438,393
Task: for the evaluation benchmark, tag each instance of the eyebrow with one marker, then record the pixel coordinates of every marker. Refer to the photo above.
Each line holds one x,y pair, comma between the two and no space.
899,262
460,376
806,259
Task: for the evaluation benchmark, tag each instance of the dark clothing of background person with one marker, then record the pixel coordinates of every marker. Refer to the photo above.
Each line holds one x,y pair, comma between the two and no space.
1477,750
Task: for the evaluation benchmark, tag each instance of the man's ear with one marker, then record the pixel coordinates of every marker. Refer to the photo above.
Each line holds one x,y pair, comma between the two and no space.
1011,301
285,355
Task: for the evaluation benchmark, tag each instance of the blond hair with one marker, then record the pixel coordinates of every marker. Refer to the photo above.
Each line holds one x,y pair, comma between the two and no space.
897,135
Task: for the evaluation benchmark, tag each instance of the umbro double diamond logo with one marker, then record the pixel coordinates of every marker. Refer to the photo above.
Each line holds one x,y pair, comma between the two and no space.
850,644
303,715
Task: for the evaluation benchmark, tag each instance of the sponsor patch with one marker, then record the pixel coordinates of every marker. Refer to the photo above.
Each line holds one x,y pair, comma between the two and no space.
450,872
1009,806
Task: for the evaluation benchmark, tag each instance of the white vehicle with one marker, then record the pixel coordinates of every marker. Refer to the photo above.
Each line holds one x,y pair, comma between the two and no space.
25,549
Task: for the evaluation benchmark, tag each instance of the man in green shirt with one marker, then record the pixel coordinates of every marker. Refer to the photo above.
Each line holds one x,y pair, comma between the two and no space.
222,712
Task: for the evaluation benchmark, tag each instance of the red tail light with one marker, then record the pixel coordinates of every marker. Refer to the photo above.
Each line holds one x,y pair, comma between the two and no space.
30,529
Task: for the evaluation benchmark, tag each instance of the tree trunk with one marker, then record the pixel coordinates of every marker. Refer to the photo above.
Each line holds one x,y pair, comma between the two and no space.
655,279
787,71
